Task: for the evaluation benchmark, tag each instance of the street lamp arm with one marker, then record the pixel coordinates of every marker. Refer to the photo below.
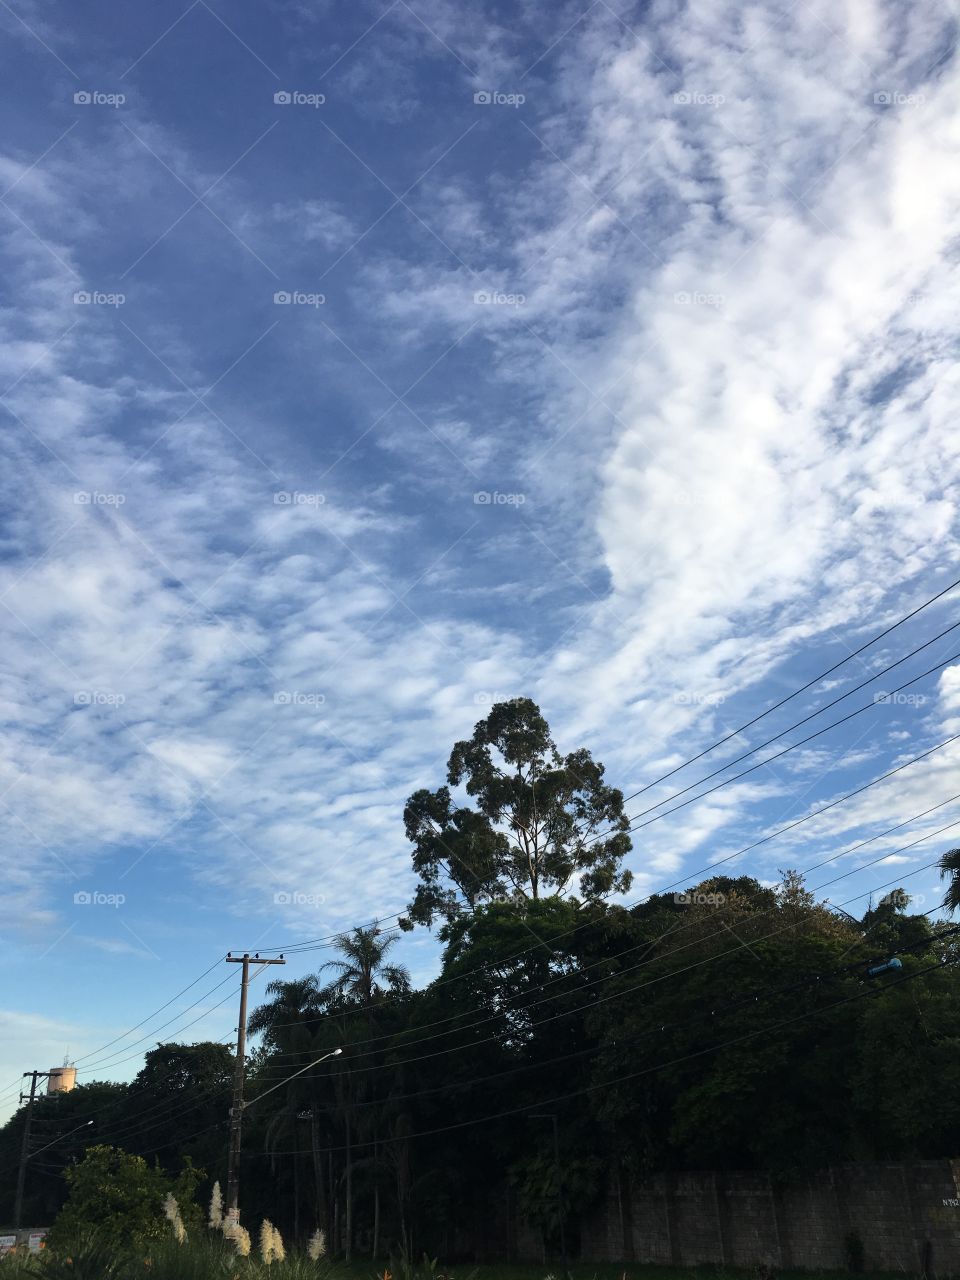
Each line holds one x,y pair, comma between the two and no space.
332,1054
86,1124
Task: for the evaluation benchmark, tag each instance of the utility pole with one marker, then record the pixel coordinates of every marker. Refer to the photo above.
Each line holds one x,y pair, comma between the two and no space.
25,1145
236,1111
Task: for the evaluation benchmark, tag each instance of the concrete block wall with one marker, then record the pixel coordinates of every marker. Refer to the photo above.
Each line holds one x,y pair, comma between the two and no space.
906,1215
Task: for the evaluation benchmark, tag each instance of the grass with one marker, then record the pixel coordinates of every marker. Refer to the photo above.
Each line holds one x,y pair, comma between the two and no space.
213,1259
365,1269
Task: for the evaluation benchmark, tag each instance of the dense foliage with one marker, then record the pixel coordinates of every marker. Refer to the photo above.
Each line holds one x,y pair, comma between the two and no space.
731,1027
119,1198
202,1255
539,821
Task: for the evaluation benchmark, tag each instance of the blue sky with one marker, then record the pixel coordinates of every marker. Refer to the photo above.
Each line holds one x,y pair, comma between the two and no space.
365,364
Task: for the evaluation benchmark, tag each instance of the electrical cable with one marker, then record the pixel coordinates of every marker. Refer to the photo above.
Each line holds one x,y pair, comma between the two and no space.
332,938
738,853
796,692
634,1075
620,973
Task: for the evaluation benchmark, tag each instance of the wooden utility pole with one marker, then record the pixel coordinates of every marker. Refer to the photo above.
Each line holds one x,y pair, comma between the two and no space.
25,1145
236,1111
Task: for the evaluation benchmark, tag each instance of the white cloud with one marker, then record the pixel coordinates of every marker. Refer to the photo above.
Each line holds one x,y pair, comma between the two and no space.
716,295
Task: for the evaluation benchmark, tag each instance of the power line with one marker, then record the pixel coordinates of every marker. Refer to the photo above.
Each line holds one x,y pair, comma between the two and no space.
136,1128
794,746
330,939
842,853
157,1106
206,1013
146,1089
662,1066
704,870
620,973
634,1075
933,940
710,867
752,997
307,945
160,1115
138,1025
151,1016
867,706
526,1008
94,1066
796,692
261,964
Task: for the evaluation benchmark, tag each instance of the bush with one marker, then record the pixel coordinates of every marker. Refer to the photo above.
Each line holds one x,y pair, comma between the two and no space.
207,1256
117,1200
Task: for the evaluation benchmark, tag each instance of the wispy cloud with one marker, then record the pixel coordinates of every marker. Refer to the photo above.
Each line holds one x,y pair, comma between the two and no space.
631,395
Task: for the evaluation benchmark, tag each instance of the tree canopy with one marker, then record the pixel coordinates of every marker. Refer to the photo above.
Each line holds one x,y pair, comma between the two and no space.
738,1025
541,823
733,1026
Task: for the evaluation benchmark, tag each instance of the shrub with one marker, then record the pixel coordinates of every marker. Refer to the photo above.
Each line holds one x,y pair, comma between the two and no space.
120,1198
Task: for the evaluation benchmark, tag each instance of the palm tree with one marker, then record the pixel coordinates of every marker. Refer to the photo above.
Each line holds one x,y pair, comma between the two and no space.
950,866
362,971
303,1018
293,1002
292,1027
363,978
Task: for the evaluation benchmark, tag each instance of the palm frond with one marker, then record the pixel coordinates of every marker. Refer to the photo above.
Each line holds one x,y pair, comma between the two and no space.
950,866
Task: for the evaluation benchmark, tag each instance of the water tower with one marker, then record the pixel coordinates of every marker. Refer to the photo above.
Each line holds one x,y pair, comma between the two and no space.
61,1079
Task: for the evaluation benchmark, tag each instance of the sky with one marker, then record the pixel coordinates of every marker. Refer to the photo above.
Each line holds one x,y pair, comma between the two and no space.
365,364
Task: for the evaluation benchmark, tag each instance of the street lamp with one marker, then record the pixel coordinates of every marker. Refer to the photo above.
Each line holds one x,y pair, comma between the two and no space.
237,1111
86,1124
332,1054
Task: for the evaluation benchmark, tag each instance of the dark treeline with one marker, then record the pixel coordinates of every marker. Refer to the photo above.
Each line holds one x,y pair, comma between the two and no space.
730,1027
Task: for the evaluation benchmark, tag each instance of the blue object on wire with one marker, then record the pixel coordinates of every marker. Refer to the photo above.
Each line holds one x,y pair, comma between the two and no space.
887,965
